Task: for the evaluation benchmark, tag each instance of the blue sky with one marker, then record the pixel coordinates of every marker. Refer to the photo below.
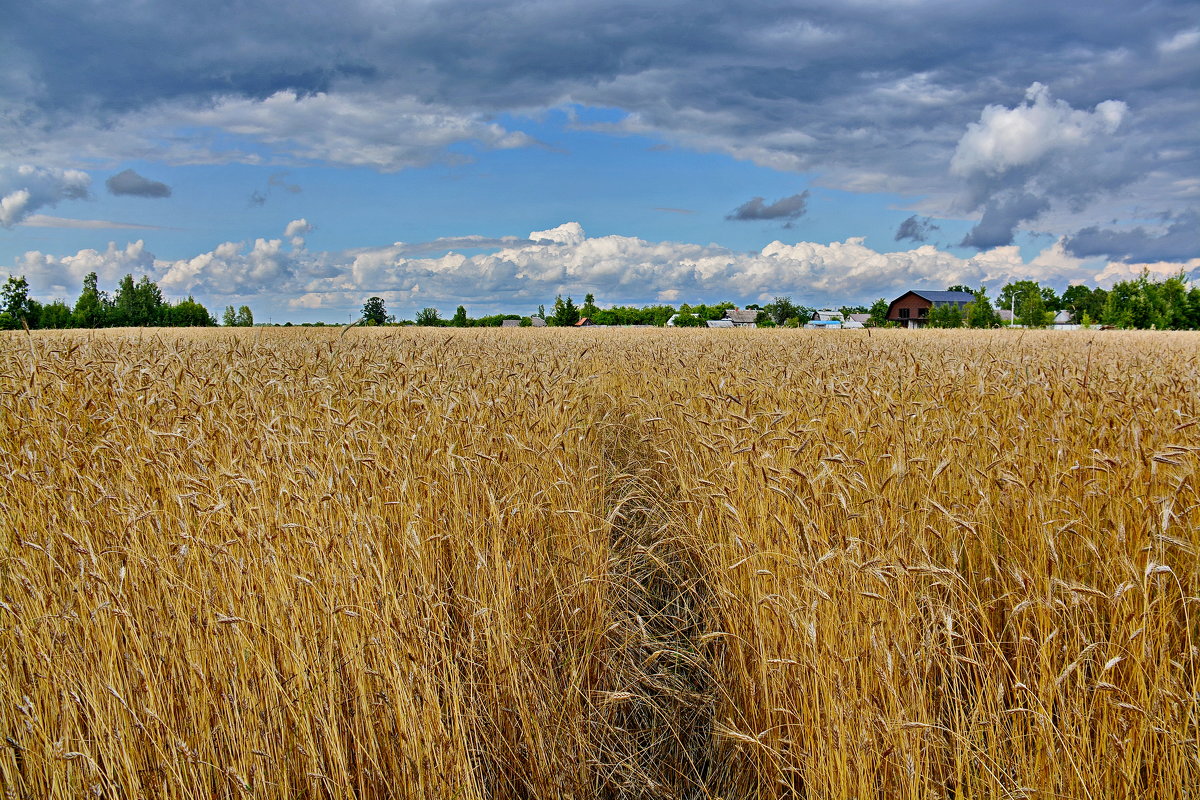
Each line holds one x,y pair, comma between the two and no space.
498,153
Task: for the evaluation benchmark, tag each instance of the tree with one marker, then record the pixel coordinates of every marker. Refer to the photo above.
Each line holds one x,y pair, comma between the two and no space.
565,312
15,302
879,312
374,312
1031,310
979,312
589,308
55,315
245,319
229,318
686,319
958,287
781,309
460,317
429,317
90,307
945,315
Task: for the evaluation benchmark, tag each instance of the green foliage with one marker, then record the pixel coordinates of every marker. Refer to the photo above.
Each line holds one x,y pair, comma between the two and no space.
565,312
980,313
1018,290
879,312
1032,311
374,311
14,299
781,309
460,317
1145,303
429,317
945,315
589,309
686,319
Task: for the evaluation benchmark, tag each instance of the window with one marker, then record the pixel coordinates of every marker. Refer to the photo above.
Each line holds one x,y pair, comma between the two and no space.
904,313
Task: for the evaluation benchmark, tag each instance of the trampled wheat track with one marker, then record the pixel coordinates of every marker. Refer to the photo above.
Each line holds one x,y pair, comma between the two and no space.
652,722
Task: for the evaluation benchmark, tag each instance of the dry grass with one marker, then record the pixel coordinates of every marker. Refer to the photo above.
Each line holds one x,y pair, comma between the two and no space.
541,564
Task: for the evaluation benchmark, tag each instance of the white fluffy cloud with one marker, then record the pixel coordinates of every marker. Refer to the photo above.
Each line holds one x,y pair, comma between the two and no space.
25,189
1017,162
1008,138
518,273
53,277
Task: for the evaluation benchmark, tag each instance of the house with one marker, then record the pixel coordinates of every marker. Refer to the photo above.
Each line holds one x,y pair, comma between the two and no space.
825,318
741,318
725,323
510,323
862,319
585,322
911,309
538,322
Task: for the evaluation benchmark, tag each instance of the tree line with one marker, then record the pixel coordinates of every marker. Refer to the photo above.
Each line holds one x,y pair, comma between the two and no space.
132,304
1142,303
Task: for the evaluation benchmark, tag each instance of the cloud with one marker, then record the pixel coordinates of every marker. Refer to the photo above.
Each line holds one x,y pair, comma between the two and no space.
51,276
1017,161
130,183
1178,242
520,272
915,229
44,221
786,208
297,227
874,97
25,189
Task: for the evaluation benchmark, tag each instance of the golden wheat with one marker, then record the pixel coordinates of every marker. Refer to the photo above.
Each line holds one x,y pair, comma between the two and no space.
541,563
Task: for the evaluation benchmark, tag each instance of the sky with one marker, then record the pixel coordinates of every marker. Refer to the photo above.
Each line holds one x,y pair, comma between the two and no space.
301,157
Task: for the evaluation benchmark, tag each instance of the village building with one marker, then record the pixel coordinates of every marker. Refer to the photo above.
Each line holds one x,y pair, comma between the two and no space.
740,318
911,309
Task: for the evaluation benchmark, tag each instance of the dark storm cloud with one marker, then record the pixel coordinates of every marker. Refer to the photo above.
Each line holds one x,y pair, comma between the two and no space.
875,95
1001,216
786,208
130,183
916,229
1179,242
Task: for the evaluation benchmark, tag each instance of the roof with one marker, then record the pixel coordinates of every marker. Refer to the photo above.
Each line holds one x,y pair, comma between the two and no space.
510,323
584,322
945,297
741,316
860,318
538,322
720,323
827,314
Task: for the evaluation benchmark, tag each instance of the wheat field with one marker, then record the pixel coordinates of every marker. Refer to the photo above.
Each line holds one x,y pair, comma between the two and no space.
398,563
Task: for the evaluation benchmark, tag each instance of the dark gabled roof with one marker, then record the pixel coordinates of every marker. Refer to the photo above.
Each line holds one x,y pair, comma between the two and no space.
945,297
741,315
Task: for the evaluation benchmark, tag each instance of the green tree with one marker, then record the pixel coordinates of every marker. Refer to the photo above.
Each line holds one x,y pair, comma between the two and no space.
1031,310
958,287
589,309
55,315
979,312
565,312
460,317
90,308
686,319
429,317
229,318
879,312
374,311
15,303
945,315
245,318
781,309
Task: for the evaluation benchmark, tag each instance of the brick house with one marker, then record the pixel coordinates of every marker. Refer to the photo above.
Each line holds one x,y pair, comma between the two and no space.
911,309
